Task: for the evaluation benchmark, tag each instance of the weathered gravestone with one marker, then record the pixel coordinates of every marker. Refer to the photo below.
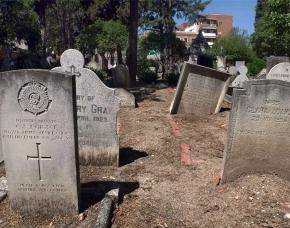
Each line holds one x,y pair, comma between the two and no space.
97,109
274,60
238,64
258,139
38,132
121,77
280,72
127,98
241,78
200,90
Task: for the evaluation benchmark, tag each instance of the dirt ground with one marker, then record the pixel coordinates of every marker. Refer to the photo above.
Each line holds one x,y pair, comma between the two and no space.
158,190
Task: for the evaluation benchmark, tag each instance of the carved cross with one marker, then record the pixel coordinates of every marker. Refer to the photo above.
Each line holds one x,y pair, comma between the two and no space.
39,160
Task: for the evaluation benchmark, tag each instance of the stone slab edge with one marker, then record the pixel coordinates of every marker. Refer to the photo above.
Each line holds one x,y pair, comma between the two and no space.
106,209
3,188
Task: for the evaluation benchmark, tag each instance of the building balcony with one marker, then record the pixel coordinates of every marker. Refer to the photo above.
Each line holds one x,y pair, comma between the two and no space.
209,35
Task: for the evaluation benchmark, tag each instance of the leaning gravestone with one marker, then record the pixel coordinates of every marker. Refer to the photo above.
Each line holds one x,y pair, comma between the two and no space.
241,78
121,77
200,90
38,135
97,109
274,60
280,72
258,137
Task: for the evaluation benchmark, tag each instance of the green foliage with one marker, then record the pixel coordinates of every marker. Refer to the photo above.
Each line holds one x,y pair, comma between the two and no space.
148,77
255,65
18,21
235,46
113,35
64,21
107,36
272,28
172,78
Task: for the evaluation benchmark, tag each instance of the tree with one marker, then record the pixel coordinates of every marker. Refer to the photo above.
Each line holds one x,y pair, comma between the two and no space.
237,47
159,15
64,21
106,36
18,21
133,39
272,28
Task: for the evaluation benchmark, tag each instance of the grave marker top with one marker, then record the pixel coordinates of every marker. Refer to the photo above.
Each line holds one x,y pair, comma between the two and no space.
38,133
72,58
242,77
280,72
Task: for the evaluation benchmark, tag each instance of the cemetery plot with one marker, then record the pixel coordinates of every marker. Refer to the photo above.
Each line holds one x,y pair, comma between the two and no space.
258,136
169,193
200,90
38,141
97,108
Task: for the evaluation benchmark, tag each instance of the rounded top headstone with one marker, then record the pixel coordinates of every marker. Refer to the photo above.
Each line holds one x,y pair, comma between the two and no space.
243,70
72,57
280,71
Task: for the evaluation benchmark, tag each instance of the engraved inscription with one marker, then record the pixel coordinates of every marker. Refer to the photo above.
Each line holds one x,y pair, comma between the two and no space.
33,98
39,160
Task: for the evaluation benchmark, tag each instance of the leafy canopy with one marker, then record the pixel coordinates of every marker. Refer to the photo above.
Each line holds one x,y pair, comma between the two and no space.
272,36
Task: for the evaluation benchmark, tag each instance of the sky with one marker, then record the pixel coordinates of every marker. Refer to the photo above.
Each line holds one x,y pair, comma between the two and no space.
243,12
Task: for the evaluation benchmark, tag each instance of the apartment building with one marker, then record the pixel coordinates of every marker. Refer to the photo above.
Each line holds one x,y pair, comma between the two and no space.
212,26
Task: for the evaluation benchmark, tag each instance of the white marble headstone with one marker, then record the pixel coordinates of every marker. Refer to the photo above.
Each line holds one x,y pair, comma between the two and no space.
97,109
280,72
242,77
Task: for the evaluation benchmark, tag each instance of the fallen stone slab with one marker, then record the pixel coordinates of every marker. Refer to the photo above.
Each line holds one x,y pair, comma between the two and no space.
106,207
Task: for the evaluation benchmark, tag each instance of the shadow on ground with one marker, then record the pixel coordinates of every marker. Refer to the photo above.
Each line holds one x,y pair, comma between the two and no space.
129,155
94,192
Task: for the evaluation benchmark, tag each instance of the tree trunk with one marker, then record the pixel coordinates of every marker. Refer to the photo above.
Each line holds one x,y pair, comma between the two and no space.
119,55
133,37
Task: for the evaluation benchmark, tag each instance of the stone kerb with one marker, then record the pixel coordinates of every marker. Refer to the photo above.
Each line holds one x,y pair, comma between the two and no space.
200,90
258,138
97,110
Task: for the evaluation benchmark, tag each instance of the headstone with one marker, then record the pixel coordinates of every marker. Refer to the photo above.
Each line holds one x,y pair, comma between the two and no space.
280,72
93,64
38,133
241,78
274,60
200,90
258,137
127,98
121,77
238,64
97,109
232,70
221,63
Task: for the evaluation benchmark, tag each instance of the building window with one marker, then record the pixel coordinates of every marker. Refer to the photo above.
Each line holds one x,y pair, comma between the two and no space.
185,39
220,23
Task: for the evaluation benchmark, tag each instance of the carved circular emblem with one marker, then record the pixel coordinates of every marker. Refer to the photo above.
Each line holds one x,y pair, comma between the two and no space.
33,98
